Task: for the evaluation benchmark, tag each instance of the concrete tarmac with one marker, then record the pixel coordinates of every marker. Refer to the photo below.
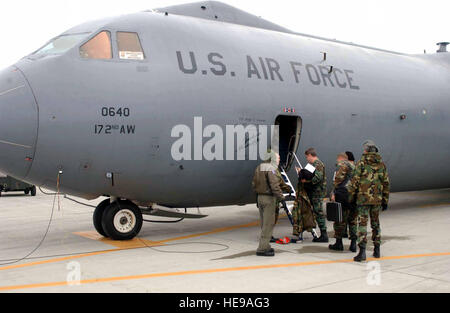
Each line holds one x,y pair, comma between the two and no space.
217,253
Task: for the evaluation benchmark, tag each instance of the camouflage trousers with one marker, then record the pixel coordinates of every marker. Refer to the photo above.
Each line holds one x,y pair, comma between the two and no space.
317,205
350,218
297,218
364,211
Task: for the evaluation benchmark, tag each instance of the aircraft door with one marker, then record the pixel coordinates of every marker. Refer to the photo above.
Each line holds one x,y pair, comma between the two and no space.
289,134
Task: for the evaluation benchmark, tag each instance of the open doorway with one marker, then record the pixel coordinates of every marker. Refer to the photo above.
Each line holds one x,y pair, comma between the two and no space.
290,130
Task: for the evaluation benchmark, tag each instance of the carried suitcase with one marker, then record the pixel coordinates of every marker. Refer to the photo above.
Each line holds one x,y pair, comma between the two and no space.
334,212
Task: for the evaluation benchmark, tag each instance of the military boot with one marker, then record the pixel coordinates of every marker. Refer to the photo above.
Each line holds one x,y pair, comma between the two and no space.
338,246
267,253
376,252
323,237
361,255
353,245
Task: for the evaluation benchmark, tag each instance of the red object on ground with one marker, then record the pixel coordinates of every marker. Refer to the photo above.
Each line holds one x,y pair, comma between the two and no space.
284,241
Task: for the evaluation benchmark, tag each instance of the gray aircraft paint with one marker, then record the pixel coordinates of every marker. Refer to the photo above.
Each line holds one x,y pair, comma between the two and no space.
363,98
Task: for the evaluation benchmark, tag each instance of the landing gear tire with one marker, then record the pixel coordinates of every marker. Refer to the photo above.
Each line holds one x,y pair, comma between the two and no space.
122,220
98,215
26,191
33,191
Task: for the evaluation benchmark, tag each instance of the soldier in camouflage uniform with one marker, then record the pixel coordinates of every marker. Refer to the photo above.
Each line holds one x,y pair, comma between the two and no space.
370,189
342,177
302,212
318,191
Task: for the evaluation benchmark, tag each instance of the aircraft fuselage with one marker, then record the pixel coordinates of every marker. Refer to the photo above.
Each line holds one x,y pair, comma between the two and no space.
107,124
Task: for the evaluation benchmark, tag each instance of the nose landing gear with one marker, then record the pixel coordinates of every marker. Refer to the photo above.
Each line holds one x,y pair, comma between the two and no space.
119,220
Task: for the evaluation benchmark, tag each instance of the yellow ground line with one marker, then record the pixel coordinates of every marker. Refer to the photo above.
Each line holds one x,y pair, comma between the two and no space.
57,259
433,205
215,231
142,243
210,271
124,245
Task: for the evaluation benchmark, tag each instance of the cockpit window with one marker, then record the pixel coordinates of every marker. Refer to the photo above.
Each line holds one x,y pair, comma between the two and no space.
61,44
130,47
98,47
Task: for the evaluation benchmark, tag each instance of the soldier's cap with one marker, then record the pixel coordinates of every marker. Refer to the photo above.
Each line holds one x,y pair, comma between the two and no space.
369,145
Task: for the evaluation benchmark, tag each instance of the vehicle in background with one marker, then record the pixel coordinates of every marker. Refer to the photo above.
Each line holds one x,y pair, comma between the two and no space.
8,184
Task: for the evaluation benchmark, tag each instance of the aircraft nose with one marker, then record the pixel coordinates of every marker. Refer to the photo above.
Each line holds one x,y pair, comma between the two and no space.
18,123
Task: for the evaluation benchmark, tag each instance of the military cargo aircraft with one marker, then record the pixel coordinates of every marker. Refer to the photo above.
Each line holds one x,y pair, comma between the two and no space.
100,110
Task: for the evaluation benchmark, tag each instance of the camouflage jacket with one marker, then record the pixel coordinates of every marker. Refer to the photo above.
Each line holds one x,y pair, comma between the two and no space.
267,181
318,185
343,175
304,207
370,183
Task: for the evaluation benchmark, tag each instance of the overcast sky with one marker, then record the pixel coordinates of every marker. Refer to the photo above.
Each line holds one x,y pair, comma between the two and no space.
401,25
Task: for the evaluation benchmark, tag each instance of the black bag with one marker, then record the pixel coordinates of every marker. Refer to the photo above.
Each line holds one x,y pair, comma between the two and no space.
334,212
